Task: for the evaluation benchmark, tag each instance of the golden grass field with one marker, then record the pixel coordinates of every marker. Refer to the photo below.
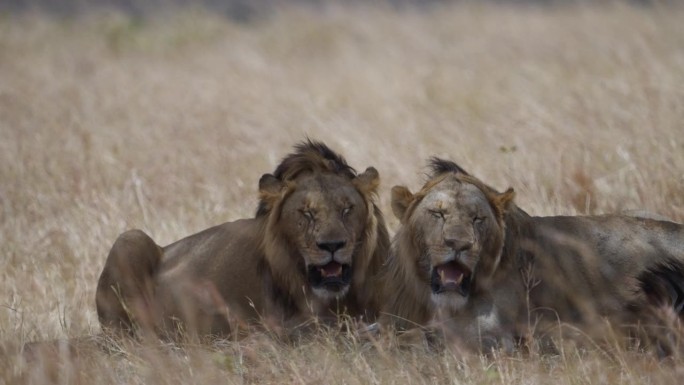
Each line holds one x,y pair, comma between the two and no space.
108,123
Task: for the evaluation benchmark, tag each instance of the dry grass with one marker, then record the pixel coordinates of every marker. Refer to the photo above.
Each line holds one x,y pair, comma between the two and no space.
107,123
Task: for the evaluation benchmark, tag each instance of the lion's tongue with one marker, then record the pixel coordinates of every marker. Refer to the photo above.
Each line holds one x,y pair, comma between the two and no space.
449,274
332,269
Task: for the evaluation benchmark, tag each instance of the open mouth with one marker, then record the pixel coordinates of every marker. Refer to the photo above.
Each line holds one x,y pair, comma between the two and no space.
332,276
450,277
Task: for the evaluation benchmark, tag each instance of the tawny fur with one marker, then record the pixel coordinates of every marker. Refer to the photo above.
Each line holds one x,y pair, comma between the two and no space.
254,270
544,271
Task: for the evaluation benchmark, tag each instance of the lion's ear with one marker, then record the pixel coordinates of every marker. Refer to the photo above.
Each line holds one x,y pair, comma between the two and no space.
270,189
504,200
401,199
368,182
270,185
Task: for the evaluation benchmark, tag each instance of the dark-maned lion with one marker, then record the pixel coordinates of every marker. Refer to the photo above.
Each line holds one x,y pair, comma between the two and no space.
312,250
467,260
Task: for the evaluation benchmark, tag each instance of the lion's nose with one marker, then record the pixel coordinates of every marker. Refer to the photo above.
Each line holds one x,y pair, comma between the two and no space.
458,245
332,247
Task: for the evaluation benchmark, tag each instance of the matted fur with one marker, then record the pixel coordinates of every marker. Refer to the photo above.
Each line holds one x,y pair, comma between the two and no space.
256,269
543,271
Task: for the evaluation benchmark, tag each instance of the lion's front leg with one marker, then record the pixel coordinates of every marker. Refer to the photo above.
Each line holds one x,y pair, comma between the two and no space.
125,290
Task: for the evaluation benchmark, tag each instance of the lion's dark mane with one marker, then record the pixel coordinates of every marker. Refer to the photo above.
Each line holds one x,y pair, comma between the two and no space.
309,156
440,166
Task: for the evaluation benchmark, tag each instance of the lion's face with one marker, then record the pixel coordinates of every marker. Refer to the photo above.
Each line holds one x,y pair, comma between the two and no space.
323,218
457,233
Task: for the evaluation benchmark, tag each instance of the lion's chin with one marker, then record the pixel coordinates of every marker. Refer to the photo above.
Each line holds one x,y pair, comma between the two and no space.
449,301
328,295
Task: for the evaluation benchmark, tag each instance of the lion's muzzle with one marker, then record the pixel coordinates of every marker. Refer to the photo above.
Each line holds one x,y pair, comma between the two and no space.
450,277
332,276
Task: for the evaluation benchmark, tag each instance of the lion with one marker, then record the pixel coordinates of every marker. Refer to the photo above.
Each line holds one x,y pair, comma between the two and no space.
466,261
312,251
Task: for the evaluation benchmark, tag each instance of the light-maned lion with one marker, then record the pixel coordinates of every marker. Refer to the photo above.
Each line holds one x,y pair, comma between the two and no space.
313,250
466,259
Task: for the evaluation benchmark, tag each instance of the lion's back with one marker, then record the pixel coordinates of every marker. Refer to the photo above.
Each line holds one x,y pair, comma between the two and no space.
624,241
597,262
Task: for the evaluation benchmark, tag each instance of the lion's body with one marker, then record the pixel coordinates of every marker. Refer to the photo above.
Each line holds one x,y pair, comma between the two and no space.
548,271
224,258
312,251
578,271
599,258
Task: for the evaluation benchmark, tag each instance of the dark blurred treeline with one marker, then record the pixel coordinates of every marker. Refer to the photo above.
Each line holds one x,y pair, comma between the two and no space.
243,9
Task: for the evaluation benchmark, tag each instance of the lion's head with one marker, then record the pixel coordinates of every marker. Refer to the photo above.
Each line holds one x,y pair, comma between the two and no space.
323,228
452,232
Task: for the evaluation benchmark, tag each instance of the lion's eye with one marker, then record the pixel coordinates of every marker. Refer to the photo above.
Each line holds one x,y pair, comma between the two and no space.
347,210
437,214
308,214
478,220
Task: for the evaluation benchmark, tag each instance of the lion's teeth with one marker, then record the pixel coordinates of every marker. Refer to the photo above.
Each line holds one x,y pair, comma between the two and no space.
459,279
442,275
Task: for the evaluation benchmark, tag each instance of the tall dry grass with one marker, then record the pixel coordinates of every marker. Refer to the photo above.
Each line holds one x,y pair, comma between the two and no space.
109,123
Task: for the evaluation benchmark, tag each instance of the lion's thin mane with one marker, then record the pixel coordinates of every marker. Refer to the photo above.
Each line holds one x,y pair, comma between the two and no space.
409,299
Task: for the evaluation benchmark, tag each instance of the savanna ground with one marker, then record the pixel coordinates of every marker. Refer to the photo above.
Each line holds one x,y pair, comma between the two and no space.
109,123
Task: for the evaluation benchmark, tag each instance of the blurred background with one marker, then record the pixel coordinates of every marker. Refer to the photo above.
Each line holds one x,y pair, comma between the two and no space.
162,115
245,10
